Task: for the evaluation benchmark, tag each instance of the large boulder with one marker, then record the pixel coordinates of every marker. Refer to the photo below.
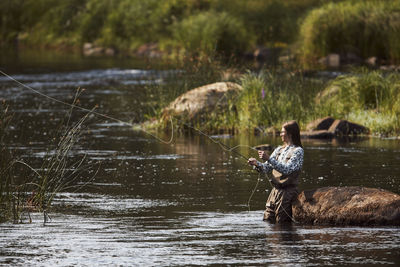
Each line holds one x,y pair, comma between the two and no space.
343,127
328,127
320,124
347,206
201,101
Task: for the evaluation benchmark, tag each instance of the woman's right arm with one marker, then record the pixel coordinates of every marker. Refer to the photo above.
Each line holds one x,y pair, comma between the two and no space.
263,167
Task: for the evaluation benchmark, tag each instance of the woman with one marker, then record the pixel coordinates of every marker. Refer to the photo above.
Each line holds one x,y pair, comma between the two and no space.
285,163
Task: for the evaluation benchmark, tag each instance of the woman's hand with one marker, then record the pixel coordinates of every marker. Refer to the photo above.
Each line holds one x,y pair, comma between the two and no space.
263,155
252,162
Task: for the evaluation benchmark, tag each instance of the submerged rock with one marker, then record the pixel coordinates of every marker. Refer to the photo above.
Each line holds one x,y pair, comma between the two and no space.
347,206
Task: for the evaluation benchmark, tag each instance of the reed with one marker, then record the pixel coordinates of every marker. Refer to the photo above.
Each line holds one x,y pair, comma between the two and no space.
36,189
6,160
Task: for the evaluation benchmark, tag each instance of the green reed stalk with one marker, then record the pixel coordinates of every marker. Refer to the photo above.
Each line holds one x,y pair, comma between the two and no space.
57,173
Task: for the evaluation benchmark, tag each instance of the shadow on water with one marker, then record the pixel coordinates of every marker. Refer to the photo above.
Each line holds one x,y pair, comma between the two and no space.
185,203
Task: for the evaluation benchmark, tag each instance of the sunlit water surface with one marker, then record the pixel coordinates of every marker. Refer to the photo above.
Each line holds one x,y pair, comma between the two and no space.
184,203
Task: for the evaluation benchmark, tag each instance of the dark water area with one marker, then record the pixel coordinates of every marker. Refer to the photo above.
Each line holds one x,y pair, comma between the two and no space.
183,203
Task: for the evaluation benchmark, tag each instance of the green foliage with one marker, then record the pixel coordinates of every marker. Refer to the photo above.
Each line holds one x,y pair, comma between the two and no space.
271,21
10,24
361,91
271,98
226,26
370,98
365,28
209,33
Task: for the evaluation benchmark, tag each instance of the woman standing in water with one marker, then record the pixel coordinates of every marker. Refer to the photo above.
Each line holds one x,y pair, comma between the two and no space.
285,162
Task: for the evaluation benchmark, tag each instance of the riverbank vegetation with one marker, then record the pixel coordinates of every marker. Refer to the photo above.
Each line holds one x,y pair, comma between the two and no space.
361,29
271,97
309,29
200,32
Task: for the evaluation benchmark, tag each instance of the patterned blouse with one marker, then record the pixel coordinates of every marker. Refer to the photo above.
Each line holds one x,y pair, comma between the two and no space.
295,162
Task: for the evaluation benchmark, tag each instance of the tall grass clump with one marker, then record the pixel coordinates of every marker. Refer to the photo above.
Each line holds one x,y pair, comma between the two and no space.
26,188
58,172
272,97
371,98
364,28
6,198
209,33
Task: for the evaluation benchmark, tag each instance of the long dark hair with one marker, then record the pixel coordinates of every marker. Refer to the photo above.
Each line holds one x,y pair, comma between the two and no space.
293,130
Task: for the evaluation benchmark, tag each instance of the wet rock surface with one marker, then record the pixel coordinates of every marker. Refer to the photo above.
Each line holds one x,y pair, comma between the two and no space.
347,206
200,101
329,127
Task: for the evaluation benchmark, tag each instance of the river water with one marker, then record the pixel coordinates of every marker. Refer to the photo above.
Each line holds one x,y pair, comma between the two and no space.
183,203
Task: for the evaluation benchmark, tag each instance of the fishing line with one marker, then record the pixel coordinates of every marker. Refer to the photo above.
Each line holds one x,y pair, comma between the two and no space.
89,111
222,145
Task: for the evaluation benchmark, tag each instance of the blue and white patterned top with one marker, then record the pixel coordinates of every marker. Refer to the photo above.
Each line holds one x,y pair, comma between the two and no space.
295,162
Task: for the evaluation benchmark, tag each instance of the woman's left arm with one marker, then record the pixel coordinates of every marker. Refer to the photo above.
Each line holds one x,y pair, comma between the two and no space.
295,162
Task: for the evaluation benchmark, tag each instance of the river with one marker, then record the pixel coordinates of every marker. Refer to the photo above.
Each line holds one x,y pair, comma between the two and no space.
183,203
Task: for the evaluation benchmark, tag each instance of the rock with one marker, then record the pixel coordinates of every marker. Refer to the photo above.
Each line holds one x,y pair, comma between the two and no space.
90,49
347,206
109,52
320,124
331,60
198,102
372,61
328,127
344,127
321,134
87,46
149,50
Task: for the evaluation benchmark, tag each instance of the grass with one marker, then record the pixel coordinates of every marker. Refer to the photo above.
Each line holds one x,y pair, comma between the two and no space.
208,28
6,159
271,97
36,189
364,28
368,97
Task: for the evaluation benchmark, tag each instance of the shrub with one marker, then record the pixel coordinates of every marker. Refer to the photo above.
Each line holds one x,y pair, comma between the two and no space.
361,91
271,98
209,33
365,28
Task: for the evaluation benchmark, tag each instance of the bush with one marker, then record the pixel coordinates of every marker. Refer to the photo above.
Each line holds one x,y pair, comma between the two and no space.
271,98
365,28
209,33
364,90
369,98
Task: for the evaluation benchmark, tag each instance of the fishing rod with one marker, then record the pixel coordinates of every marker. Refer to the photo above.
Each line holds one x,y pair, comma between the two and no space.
92,111
222,145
